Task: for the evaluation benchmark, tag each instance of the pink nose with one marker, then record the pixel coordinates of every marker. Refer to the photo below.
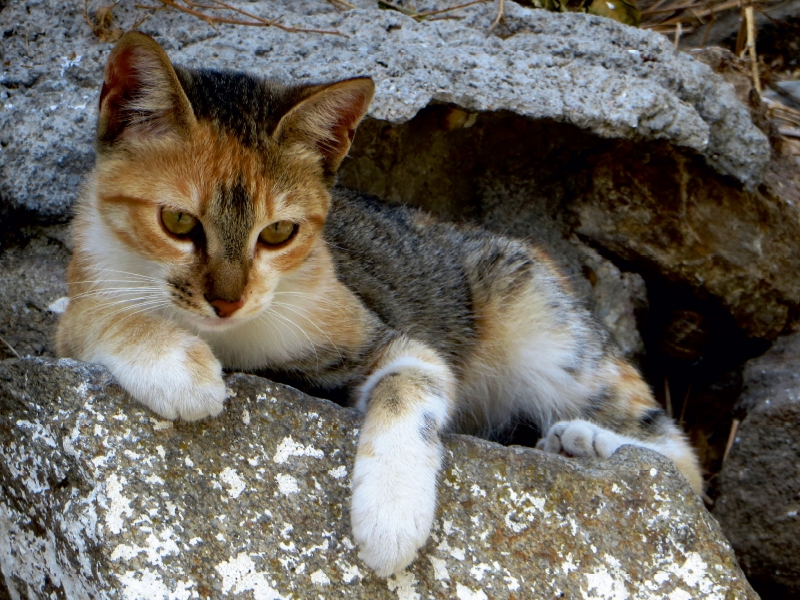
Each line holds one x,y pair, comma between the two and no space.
225,308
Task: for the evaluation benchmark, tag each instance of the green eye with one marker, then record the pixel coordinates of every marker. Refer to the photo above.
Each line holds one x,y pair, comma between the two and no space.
178,223
277,233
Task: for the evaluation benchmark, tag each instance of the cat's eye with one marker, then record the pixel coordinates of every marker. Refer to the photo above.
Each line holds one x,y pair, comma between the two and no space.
178,223
278,233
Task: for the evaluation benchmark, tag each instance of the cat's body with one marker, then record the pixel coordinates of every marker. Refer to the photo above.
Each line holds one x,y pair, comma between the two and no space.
208,236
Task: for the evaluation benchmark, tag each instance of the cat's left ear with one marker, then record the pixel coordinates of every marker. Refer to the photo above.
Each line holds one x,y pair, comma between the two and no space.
326,120
142,97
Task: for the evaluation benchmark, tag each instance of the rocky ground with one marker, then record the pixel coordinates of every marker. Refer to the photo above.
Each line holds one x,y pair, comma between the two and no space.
661,187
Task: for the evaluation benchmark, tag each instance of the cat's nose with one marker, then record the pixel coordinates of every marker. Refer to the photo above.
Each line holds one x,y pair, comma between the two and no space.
225,308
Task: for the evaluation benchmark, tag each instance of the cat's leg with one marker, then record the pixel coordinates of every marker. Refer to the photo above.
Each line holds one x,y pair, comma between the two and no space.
408,401
541,355
623,412
169,370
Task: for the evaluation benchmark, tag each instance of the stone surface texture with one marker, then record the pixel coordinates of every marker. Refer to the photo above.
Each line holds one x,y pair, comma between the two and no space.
100,499
603,77
32,279
759,502
533,130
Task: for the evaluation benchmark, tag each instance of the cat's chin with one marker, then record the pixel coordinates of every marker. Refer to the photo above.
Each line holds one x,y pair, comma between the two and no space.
217,324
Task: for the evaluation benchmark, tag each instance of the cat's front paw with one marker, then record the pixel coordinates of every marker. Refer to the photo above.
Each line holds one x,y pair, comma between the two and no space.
581,438
392,510
185,383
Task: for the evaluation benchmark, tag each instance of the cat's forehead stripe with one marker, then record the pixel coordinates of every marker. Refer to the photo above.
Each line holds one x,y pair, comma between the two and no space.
234,214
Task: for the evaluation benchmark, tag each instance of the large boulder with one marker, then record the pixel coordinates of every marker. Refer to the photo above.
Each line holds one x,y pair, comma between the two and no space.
611,80
531,130
100,499
759,502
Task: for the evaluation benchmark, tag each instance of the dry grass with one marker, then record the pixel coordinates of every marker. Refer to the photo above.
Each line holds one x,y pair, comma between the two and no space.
687,16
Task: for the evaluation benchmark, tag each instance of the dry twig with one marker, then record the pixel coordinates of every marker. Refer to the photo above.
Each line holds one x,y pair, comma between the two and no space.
10,347
685,404
667,397
500,10
419,16
196,10
731,438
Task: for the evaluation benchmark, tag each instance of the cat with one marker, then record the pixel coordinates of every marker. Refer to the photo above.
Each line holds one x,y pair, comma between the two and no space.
210,233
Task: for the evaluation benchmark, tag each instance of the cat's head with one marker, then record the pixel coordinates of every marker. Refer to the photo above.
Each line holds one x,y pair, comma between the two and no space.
216,183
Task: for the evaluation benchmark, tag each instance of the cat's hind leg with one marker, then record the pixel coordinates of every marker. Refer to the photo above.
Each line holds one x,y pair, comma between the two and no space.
624,412
541,356
407,400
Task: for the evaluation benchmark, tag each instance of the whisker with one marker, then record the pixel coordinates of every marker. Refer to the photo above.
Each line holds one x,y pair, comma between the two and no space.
290,322
264,318
298,313
139,275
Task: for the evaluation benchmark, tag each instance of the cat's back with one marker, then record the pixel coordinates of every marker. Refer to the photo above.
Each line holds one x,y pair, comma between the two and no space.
404,266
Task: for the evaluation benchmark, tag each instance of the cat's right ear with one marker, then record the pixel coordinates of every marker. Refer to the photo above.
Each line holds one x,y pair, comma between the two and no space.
142,96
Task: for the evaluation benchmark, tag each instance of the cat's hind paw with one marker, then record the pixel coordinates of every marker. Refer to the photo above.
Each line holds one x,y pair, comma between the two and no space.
581,438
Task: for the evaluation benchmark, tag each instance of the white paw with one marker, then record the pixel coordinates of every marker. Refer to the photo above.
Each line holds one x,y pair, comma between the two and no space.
581,438
183,384
394,502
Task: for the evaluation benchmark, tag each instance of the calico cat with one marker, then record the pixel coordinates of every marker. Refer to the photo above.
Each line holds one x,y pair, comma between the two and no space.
210,234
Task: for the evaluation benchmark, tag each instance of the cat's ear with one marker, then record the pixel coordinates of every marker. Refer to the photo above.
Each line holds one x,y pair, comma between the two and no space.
142,96
326,120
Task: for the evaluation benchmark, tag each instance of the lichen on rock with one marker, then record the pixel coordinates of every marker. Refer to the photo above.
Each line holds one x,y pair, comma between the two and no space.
101,499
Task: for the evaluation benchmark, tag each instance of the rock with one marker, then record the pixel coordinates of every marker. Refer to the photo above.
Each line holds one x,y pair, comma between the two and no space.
759,502
520,131
100,499
730,247
606,78
32,279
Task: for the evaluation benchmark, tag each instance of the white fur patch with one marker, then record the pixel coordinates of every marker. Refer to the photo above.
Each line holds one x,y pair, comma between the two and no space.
166,384
582,438
394,478
394,496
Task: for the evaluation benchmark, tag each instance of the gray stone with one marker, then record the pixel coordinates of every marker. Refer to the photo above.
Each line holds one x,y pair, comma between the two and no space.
759,502
100,499
606,78
32,279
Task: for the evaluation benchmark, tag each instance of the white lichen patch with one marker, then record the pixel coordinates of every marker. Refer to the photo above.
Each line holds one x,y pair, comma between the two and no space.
157,548
465,593
240,575
524,508
235,484
349,572
403,585
478,571
603,584
162,425
148,585
116,504
287,484
339,472
319,578
458,553
288,448
439,568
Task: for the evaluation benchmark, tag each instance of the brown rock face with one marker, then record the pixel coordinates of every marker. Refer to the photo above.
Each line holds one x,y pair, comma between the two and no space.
759,502
100,499
662,209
